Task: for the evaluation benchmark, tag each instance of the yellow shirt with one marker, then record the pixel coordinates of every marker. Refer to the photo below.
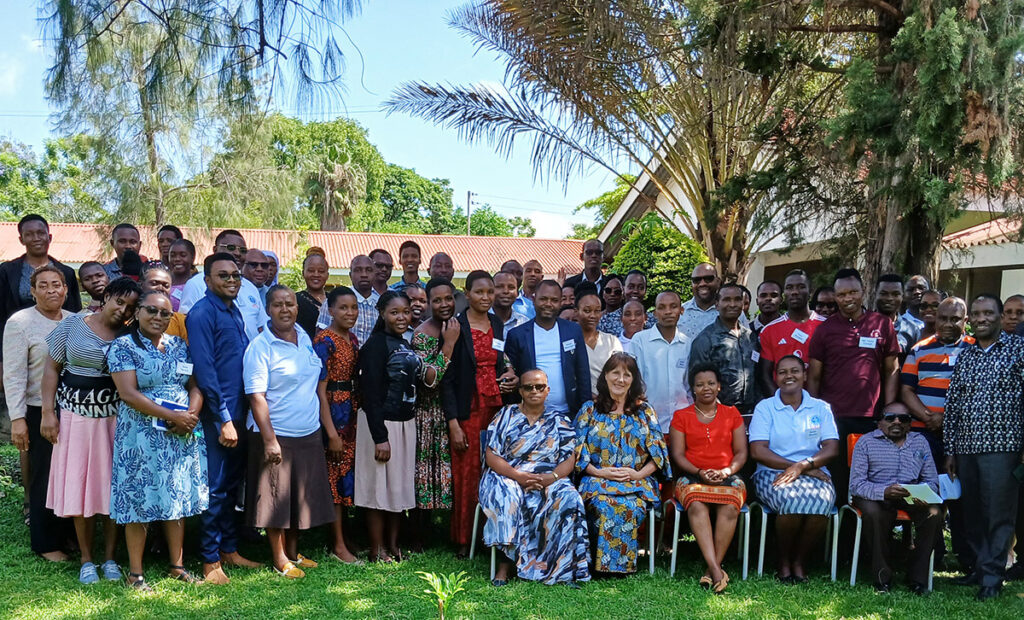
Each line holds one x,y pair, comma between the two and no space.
177,327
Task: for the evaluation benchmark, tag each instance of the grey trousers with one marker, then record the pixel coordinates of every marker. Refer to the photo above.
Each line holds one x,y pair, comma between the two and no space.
989,502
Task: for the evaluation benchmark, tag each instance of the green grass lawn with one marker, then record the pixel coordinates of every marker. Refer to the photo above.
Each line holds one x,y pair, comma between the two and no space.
33,588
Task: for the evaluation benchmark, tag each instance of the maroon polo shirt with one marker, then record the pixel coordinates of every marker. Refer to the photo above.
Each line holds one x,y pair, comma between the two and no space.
851,353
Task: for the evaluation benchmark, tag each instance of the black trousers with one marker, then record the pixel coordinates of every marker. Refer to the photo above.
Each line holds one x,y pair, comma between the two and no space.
879,518
957,536
989,503
48,532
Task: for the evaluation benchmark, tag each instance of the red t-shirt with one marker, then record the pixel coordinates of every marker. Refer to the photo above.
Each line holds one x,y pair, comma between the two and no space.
852,353
708,446
784,336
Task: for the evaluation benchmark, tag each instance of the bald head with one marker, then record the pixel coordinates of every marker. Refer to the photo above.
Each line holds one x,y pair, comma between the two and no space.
362,272
441,266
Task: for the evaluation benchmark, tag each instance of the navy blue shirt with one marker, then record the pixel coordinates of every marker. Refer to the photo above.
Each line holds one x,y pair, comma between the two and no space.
217,341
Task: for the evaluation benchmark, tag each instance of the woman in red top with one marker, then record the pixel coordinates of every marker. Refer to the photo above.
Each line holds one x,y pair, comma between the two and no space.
709,445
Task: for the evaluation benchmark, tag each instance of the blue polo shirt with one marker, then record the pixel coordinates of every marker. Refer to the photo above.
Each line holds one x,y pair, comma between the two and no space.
217,342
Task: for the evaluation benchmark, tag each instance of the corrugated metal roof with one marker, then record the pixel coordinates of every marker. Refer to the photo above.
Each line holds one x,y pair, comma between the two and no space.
77,243
999,230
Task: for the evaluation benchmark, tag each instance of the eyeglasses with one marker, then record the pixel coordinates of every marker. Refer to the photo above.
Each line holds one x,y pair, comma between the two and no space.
234,275
533,387
704,279
154,311
902,418
230,247
256,265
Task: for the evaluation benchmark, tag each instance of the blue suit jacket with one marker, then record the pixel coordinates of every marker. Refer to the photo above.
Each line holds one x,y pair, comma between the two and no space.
519,348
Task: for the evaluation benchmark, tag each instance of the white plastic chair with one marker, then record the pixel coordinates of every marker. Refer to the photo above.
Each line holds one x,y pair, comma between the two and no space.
832,532
743,549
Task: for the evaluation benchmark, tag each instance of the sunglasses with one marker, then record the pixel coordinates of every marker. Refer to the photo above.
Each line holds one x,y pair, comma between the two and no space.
612,291
256,265
902,418
929,306
827,304
388,266
230,247
154,311
533,387
235,275
704,279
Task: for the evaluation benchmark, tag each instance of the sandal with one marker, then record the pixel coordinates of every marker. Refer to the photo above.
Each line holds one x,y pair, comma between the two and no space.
706,582
356,562
497,583
720,586
184,575
139,584
290,571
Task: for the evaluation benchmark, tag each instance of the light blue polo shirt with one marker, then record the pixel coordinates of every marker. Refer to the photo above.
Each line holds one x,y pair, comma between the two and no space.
793,435
288,375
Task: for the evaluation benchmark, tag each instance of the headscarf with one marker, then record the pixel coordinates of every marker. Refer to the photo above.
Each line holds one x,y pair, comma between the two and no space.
269,254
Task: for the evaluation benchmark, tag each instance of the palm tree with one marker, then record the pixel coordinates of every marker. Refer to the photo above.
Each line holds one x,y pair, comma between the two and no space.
675,95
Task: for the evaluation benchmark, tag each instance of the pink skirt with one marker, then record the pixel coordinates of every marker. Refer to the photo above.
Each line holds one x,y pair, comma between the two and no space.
80,469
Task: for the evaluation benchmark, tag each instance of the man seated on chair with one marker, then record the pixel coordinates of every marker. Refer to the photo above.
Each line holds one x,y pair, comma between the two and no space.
883,461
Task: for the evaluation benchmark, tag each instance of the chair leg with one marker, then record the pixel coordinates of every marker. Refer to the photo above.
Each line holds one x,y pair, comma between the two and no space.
760,552
931,569
476,524
675,543
745,527
834,526
856,549
650,531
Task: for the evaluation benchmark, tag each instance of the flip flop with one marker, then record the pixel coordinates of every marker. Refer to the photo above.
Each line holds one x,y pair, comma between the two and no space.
139,585
706,582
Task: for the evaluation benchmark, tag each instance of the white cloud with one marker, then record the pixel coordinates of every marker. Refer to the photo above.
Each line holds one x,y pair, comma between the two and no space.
11,69
553,225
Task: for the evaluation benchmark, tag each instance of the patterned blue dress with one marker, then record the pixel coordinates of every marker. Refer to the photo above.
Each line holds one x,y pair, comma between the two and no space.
615,510
544,531
157,475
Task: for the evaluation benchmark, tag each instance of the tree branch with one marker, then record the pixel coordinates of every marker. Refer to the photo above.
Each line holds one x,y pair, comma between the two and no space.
836,28
878,5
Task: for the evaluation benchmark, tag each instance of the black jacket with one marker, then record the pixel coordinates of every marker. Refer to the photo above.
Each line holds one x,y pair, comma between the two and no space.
459,381
10,280
388,371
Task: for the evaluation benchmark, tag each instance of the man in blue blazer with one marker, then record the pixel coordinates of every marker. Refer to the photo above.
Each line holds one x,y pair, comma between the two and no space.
555,346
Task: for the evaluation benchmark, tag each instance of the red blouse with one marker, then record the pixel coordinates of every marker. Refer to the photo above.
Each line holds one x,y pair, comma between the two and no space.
487,392
708,446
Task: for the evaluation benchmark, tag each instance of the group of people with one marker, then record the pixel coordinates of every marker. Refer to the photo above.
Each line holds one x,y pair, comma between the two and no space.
567,410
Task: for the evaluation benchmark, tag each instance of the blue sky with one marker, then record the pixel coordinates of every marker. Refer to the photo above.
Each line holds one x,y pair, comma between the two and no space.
400,40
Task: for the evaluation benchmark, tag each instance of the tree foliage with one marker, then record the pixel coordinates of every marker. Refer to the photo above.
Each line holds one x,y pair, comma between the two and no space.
235,47
661,251
674,89
602,207
57,184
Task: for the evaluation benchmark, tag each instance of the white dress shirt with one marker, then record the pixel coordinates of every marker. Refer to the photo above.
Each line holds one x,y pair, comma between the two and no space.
663,366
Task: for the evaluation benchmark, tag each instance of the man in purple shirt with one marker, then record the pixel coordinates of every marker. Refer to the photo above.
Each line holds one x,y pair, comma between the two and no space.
883,461
853,361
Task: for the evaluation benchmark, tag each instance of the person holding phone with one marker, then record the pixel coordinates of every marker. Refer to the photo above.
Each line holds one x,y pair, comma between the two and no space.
159,471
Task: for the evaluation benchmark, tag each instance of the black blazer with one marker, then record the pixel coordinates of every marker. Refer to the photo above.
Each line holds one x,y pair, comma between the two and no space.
459,382
10,280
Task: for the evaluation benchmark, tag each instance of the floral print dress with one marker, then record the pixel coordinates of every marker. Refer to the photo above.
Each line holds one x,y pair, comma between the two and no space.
615,510
433,457
339,357
157,475
544,531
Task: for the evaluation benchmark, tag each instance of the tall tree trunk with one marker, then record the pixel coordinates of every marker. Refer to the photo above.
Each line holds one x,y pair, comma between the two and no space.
153,158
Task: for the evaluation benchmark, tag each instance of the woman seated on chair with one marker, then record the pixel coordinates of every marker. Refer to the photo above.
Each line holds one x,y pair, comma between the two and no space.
619,452
792,437
534,513
709,446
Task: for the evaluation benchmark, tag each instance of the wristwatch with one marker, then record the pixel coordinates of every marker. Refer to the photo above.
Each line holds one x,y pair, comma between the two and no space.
810,461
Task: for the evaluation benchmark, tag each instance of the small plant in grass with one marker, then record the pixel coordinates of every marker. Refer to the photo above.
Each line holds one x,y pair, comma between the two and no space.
443,588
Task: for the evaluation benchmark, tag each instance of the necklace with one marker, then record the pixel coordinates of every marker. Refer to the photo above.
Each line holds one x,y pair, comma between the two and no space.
706,415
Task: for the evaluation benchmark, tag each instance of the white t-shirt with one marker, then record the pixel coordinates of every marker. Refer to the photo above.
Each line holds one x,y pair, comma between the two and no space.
793,435
249,303
288,375
548,347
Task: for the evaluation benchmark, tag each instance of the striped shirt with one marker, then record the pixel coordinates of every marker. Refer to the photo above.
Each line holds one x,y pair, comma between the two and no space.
367,315
74,345
928,368
877,463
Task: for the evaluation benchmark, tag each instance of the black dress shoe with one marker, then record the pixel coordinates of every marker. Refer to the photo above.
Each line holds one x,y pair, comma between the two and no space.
918,588
970,579
987,592
882,587
1015,572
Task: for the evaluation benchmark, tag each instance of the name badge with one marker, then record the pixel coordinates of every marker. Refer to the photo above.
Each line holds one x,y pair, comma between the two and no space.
799,335
176,293
569,346
498,345
754,355
952,358
813,431
184,368
868,343
681,364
